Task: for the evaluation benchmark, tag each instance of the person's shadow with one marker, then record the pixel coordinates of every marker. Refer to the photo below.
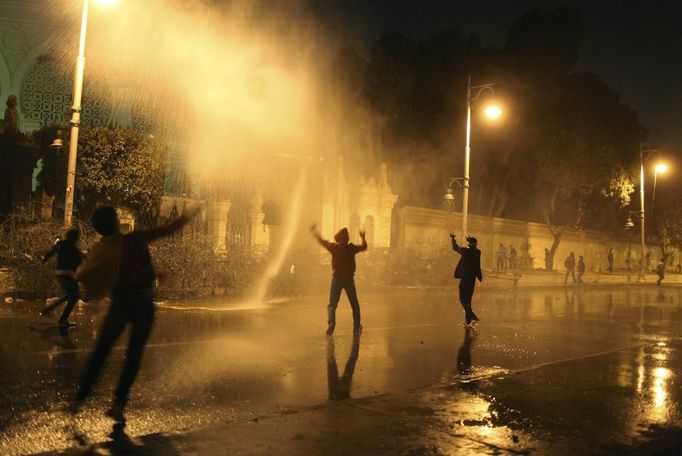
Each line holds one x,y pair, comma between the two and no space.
464,354
339,387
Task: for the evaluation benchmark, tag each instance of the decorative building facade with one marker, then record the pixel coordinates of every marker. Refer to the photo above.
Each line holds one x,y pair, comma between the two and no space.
240,213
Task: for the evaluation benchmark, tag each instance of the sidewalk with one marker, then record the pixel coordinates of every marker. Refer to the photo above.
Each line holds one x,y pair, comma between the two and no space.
538,278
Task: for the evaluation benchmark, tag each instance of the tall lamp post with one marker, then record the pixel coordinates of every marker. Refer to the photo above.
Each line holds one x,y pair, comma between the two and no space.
76,114
660,168
491,112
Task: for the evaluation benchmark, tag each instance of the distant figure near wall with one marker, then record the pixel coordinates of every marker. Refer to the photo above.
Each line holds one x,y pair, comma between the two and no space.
569,264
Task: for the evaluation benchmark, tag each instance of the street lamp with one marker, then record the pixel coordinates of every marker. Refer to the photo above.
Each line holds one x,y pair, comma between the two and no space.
76,113
449,196
492,112
661,167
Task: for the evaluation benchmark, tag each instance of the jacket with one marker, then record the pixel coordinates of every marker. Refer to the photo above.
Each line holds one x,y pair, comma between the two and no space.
469,265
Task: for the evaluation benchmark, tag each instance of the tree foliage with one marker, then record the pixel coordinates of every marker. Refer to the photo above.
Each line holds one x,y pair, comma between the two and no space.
115,166
565,154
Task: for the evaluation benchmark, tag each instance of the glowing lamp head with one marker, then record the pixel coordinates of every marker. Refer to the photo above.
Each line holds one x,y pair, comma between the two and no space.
661,168
107,3
629,224
449,195
492,112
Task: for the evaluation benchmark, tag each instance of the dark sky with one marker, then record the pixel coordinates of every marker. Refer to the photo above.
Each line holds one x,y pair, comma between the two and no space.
635,46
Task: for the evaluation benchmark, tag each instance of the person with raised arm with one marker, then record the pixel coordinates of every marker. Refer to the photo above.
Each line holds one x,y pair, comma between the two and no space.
343,270
467,271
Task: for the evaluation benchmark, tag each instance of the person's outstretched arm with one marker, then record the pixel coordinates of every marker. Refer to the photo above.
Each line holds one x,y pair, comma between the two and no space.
363,245
323,242
169,228
49,254
455,247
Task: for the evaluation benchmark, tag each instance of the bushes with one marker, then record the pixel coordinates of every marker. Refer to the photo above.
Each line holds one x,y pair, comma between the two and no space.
23,242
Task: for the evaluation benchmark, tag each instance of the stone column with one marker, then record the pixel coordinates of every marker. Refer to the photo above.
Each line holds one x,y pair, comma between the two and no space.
216,216
259,233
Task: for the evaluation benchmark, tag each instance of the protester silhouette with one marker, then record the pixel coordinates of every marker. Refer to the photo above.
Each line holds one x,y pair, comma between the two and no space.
660,270
610,258
467,271
580,270
343,266
69,257
120,266
340,387
501,257
569,264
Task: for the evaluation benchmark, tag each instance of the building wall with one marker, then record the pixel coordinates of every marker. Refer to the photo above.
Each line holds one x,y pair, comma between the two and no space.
426,231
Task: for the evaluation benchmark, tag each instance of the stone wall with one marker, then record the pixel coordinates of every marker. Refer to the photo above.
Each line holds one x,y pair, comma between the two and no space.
426,232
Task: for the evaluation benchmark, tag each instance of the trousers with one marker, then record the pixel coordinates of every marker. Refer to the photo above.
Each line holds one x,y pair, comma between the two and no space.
131,307
338,284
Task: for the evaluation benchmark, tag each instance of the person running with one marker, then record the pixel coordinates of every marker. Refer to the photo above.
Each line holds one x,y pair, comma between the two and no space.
69,257
569,263
467,271
119,265
343,266
581,270
660,270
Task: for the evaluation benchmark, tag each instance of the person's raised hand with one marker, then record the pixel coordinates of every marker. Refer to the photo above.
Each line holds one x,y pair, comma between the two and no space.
362,233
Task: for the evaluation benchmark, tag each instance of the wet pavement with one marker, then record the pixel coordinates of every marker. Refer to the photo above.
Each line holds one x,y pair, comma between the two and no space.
547,371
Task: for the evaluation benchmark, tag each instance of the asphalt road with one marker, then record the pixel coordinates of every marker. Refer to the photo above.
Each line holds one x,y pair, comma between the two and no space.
594,370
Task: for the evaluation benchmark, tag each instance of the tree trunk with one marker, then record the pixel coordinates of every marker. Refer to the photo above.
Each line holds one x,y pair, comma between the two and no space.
557,235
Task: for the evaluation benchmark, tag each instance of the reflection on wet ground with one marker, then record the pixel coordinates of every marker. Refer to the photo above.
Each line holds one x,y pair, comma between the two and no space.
590,370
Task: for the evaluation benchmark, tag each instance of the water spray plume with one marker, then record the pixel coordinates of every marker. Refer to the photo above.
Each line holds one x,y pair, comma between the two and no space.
290,228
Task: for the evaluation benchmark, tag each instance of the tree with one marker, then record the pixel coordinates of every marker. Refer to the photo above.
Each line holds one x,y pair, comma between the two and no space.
115,166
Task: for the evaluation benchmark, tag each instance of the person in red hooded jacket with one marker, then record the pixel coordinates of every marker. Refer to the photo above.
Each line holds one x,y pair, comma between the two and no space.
343,267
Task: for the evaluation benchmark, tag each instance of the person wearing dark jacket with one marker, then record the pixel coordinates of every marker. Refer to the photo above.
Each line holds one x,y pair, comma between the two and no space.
69,257
467,271
343,268
580,268
131,288
569,264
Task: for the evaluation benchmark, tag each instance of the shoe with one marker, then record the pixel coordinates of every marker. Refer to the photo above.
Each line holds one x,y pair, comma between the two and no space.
116,413
66,324
357,329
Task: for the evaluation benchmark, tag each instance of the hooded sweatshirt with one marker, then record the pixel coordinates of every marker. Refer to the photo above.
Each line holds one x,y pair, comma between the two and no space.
343,253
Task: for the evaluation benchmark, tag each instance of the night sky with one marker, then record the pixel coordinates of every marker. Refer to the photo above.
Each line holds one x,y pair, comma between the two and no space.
635,46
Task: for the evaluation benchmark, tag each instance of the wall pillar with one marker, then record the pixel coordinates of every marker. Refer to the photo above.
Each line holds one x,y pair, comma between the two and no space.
216,216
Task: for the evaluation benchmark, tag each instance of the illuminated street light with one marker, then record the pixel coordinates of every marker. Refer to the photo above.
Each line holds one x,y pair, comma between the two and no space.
76,114
491,112
661,167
